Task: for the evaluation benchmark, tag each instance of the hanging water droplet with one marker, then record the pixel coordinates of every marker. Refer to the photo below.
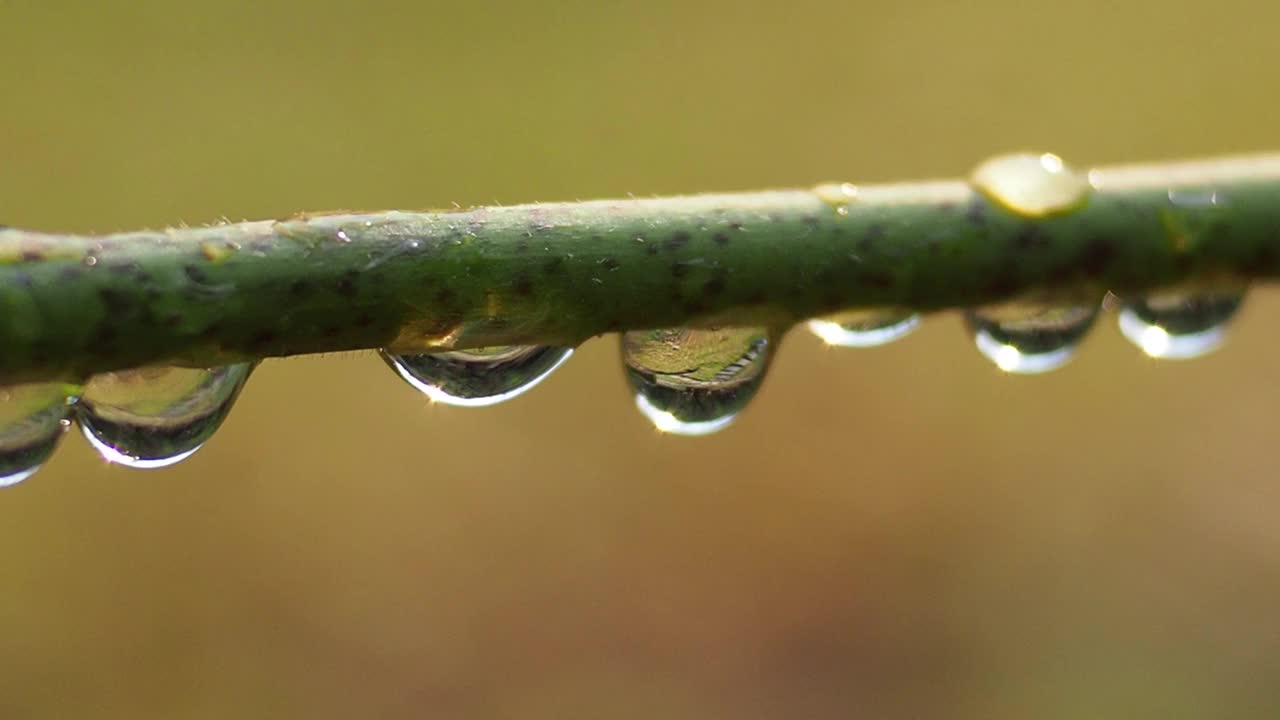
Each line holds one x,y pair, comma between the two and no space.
1178,326
1027,339
1031,185
157,416
695,381
480,376
32,420
864,328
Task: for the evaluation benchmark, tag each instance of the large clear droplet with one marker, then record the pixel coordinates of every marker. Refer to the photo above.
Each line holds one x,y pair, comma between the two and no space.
1178,326
695,381
157,416
864,328
1028,339
32,420
1031,185
478,377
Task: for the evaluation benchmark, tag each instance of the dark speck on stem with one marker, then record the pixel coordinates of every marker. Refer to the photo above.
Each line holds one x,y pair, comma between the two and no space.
872,236
976,213
261,339
1030,236
523,286
114,300
196,274
347,284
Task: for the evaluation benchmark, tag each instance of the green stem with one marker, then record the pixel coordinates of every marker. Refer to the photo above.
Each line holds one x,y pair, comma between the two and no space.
73,305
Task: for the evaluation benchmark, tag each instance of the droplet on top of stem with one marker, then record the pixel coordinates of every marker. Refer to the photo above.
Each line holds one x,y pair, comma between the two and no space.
1031,185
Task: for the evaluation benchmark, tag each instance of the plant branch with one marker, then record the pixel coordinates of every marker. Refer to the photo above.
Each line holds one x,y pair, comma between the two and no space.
73,305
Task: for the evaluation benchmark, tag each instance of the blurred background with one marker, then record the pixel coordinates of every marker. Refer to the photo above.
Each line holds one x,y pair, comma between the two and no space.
901,532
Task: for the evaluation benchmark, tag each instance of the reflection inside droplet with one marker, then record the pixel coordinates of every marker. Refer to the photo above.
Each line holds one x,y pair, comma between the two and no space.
33,418
478,377
667,422
1030,339
157,416
693,381
1178,325
864,328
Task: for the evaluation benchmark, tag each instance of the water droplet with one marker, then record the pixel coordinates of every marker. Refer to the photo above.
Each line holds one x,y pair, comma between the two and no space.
1028,339
1178,326
478,377
157,416
1200,199
864,328
32,420
218,251
695,381
838,196
1031,185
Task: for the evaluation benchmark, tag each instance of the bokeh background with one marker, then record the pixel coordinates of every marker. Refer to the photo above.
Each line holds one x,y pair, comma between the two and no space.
901,532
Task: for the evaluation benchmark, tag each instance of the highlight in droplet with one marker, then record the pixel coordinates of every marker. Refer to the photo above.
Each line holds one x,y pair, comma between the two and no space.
694,381
478,377
1032,185
1030,339
864,328
157,416
33,418
1178,325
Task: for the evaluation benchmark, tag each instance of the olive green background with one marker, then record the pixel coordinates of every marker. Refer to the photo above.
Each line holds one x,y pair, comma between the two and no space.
901,532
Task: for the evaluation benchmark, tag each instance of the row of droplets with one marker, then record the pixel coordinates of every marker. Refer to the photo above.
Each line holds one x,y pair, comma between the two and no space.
687,381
